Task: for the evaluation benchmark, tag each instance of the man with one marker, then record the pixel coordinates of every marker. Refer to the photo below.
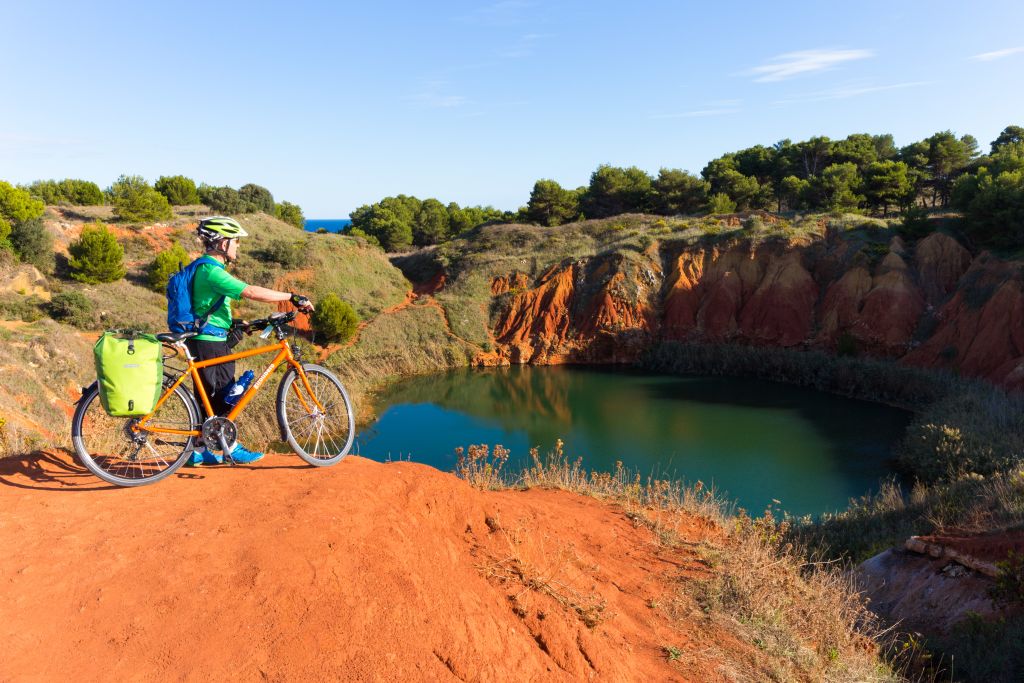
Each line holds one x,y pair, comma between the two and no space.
213,283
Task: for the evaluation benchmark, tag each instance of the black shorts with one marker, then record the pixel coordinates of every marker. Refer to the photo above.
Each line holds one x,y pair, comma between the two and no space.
216,378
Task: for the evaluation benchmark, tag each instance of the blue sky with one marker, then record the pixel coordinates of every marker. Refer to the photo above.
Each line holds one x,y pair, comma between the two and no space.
331,104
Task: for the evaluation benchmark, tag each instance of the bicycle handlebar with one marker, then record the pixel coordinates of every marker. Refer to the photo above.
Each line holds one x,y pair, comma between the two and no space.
276,320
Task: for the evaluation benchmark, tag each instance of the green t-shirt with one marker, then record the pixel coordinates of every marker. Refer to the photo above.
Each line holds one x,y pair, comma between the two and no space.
209,284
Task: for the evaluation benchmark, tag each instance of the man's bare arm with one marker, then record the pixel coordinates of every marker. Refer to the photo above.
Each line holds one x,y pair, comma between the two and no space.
270,296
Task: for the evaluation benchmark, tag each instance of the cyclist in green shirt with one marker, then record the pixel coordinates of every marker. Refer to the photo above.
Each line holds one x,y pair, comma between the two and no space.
220,236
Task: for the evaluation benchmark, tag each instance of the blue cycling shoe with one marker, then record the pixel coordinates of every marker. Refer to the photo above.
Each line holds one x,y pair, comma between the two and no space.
243,456
204,457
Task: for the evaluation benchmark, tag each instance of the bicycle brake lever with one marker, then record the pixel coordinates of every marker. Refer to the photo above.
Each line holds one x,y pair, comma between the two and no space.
266,332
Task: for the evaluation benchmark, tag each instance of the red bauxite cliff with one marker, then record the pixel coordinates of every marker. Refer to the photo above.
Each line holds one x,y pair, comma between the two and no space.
931,305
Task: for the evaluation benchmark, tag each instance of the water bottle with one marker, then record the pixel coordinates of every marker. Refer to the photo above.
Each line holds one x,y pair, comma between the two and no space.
239,387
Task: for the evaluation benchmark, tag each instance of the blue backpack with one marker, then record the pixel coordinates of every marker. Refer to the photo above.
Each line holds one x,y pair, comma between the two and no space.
181,316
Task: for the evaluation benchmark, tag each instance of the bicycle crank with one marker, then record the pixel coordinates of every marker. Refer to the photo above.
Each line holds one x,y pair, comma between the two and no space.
220,434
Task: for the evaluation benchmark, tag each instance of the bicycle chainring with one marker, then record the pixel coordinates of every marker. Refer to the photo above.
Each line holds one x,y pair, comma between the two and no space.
214,428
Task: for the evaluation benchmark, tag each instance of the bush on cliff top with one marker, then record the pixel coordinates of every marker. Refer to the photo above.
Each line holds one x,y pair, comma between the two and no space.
68,191
96,256
72,308
164,265
334,320
136,202
179,190
33,243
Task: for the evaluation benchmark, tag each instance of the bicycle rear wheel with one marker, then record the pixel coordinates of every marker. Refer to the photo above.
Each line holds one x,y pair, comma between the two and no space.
320,430
113,452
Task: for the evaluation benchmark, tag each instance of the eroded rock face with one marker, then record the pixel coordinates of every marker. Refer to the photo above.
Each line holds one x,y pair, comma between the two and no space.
927,304
538,319
843,302
981,329
25,280
891,310
941,262
780,312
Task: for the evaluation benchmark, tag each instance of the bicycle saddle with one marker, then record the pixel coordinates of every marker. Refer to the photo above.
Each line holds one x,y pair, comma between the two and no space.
172,337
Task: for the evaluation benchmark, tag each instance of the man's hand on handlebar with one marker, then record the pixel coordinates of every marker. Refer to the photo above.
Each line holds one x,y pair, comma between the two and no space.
302,303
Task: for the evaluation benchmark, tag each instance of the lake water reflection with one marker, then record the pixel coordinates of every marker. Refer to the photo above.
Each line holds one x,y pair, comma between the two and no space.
756,440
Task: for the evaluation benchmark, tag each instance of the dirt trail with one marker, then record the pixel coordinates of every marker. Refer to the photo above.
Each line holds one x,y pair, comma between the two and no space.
359,572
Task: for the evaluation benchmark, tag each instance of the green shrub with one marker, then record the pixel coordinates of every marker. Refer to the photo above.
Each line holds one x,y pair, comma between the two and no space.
361,235
916,223
846,345
989,650
164,265
72,308
33,244
68,191
755,224
26,309
256,198
995,214
334,320
721,203
290,213
136,202
221,199
179,190
96,256
287,253
1008,588
16,206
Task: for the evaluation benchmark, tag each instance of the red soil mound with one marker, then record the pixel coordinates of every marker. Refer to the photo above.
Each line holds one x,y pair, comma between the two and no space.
362,571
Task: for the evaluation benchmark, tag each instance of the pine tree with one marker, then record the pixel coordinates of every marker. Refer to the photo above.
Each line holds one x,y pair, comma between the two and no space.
96,256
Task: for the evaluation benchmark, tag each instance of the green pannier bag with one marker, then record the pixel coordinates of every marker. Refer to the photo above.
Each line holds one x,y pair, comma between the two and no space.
130,371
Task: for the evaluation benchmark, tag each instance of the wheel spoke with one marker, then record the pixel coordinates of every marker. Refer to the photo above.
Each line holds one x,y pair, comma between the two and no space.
114,450
320,435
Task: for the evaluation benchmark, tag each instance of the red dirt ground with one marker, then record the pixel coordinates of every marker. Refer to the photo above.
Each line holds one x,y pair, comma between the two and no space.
359,572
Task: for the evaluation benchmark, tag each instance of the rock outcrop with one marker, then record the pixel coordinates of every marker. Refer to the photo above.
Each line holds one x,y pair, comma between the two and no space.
981,329
930,304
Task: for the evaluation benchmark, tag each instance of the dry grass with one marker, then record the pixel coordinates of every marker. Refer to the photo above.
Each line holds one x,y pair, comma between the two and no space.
45,364
530,565
805,617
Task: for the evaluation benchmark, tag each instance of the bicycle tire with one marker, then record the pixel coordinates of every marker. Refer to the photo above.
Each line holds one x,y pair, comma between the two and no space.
101,441
321,439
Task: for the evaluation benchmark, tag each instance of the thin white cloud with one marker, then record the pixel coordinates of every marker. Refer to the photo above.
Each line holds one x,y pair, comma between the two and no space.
793,64
524,47
843,92
696,113
997,54
433,96
503,13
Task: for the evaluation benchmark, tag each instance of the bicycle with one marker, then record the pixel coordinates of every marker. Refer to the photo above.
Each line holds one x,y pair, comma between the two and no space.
314,414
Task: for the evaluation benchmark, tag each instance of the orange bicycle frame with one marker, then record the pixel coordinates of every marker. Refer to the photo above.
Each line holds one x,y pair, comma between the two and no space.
284,355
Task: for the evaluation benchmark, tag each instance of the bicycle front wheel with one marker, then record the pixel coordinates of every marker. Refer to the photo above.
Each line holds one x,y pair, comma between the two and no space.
109,448
319,426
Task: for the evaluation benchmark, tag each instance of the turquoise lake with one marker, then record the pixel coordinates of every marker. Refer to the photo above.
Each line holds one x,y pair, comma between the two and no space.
754,440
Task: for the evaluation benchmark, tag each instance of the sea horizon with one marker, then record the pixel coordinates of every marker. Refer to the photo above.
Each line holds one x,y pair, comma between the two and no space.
328,224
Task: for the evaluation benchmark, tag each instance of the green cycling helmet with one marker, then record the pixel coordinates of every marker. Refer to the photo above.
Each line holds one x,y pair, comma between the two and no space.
220,227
